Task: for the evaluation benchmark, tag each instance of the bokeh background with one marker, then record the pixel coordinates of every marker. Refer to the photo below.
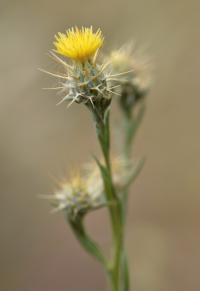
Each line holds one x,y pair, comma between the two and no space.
40,142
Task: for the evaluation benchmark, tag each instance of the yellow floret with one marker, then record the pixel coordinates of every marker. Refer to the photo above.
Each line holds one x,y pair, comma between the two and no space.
79,44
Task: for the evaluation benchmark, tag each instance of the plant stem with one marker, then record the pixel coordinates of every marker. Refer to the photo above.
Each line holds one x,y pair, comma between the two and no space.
131,124
89,245
115,209
118,270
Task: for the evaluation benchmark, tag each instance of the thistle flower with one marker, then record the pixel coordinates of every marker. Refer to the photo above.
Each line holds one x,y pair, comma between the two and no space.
85,191
77,196
136,83
84,80
139,67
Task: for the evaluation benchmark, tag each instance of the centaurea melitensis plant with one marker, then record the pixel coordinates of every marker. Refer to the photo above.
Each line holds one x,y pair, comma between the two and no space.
105,183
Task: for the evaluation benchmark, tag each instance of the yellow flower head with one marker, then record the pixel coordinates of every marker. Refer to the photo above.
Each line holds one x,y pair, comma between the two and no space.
79,44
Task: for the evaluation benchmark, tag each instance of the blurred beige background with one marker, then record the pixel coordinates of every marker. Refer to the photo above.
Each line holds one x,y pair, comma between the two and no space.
40,140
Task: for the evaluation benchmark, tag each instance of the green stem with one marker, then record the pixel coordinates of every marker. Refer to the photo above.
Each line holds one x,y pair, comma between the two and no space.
125,273
89,245
132,123
118,270
124,265
115,208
